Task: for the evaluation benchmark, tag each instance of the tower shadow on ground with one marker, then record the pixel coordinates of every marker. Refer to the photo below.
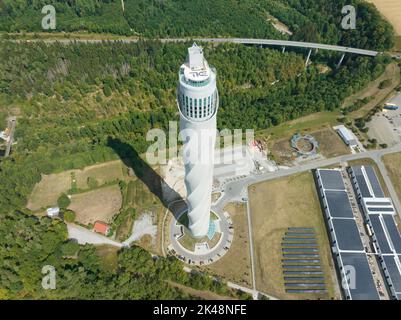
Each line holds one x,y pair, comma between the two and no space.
144,172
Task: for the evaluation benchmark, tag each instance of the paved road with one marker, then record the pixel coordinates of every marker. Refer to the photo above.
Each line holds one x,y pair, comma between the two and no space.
233,189
84,236
269,42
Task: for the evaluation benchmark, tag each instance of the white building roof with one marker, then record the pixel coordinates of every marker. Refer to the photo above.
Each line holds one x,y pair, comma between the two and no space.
196,68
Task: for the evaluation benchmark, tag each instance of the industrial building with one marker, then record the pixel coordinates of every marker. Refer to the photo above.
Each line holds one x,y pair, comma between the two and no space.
198,101
347,247
348,136
379,214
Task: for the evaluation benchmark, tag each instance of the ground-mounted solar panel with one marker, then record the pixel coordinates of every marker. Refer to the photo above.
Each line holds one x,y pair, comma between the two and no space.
307,245
363,187
309,272
286,266
299,239
301,261
298,234
347,234
362,285
338,204
299,250
311,278
393,232
304,255
332,179
378,232
307,285
300,229
393,272
305,291
374,182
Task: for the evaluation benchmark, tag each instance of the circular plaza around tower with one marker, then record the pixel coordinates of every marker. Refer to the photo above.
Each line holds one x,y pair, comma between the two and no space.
205,250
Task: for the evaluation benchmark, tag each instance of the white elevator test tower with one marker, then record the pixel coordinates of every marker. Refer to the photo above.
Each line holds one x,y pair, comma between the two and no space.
198,102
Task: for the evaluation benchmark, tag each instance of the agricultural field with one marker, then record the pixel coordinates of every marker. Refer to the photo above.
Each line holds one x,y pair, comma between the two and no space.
235,265
48,190
99,204
275,206
103,173
391,9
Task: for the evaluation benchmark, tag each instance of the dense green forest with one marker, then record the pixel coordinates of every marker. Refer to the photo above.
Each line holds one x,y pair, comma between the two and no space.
309,20
27,244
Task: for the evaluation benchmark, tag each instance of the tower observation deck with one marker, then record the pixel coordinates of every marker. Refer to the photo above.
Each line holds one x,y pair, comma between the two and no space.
198,101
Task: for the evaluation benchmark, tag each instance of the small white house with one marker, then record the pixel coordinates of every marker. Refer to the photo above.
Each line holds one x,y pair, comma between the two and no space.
53,212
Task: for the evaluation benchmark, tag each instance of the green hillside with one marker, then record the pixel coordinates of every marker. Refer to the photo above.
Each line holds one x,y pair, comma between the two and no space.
317,20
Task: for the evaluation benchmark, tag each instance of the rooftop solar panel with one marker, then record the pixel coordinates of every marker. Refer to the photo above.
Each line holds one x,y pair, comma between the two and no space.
364,288
379,234
382,209
332,179
363,187
338,203
347,234
393,232
378,203
393,271
374,182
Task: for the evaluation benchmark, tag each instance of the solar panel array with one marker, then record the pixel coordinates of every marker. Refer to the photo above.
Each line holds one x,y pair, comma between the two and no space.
345,237
379,214
301,262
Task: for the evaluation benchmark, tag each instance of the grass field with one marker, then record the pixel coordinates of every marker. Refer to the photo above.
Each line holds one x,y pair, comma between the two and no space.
235,265
275,206
99,204
47,191
313,121
391,9
103,173
330,145
393,165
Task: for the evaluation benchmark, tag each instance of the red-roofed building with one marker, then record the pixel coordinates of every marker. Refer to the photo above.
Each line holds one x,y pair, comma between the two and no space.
101,227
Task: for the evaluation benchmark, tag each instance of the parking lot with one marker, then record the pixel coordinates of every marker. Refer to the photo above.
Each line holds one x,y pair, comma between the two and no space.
385,126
